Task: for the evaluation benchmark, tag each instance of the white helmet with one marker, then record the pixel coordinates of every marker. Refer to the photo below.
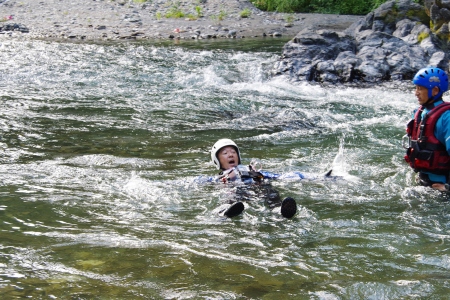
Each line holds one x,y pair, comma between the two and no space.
219,145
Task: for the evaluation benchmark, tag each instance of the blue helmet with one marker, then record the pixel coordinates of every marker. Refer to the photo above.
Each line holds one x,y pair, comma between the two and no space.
430,77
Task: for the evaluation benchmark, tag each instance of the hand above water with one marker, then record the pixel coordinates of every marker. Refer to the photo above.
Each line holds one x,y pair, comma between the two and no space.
440,187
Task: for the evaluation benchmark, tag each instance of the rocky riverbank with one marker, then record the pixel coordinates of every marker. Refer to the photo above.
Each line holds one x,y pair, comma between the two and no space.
390,44
109,20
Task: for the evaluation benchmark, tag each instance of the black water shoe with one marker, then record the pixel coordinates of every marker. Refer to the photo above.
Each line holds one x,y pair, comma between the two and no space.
234,210
288,207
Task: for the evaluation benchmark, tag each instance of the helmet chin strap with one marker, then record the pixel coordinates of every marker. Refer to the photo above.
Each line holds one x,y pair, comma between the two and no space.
430,95
431,98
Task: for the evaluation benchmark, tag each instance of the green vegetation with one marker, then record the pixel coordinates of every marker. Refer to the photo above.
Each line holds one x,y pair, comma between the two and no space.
422,36
220,17
198,10
289,18
245,13
175,12
198,14
343,7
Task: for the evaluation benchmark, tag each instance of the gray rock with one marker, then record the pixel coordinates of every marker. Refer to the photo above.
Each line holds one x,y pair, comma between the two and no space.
390,43
206,36
13,27
231,33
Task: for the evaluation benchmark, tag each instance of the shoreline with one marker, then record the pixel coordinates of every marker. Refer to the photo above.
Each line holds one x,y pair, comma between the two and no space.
115,20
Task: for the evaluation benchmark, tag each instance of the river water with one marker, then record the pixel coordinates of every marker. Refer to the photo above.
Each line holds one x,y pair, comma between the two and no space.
102,145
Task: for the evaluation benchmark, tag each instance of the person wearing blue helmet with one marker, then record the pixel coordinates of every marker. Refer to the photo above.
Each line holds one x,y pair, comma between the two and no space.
428,133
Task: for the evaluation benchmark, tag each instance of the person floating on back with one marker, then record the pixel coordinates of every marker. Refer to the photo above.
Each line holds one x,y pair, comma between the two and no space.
428,133
226,157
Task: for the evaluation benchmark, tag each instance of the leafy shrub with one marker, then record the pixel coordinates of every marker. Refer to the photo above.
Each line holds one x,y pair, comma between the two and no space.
344,7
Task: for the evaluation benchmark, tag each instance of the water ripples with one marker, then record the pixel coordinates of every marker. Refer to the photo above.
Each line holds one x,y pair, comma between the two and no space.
102,146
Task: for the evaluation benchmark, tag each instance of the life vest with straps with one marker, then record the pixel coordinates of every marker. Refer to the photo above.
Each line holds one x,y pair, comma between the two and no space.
425,153
241,172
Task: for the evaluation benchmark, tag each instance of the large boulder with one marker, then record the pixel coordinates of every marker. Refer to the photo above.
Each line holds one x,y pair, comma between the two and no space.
391,43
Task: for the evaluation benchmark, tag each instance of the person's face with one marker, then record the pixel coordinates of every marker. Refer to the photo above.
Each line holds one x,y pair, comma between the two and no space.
228,157
422,93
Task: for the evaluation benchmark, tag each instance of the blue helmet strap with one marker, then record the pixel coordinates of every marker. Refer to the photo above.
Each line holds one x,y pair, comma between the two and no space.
431,98
430,95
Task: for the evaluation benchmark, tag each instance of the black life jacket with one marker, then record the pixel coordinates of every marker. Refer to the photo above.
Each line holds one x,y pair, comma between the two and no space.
425,152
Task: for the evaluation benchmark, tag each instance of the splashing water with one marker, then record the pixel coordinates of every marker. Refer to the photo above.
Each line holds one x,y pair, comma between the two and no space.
101,146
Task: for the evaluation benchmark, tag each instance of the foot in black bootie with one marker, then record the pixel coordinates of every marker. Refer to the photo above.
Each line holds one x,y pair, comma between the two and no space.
288,207
234,210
